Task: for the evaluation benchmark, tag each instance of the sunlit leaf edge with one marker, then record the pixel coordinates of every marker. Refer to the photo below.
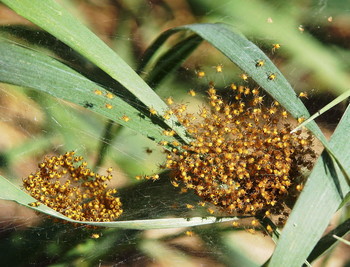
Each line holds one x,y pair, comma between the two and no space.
10,192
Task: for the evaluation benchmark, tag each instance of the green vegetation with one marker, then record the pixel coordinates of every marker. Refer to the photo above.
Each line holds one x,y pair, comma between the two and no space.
64,89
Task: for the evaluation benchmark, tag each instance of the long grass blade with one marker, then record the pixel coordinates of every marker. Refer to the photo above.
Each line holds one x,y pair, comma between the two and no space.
28,68
245,55
323,194
55,19
327,107
10,192
327,241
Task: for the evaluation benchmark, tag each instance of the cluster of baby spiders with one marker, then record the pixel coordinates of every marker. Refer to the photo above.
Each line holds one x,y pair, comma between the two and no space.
243,158
73,190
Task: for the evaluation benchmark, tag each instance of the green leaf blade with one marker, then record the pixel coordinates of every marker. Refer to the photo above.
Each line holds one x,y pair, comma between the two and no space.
245,55
172,59
53,18
9,191
34,70
323,193
328,241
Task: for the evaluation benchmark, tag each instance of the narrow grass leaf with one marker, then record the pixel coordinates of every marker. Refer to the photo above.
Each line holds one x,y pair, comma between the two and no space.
327,241
246,55
172,59
327,107
28,68
265,222
9,191
324,191
153,48
346,242
53,18
304,48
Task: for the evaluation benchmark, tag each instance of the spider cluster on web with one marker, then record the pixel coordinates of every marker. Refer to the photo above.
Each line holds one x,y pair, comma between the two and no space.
243,158
73,190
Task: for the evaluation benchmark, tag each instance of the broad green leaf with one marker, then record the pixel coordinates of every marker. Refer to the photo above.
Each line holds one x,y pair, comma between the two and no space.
28,68
10,192
324,191
53,18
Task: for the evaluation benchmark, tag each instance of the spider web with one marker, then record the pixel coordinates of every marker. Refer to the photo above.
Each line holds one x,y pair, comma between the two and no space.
48,126
34,125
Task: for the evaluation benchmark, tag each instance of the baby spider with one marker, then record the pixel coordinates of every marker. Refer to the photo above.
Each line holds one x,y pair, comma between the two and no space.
272,76
275,47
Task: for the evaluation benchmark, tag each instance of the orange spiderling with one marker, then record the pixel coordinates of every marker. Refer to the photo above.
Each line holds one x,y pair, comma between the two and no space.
109,106
175,184
189,233
153,111
275,47
251,231
244,76
110,95
218,68
125,118
201,203
192,93
170,100
260,63
301,119
95,236
284,114
163,143
254,222
189,206
272,76
303,94
233,86
200,74
210,210
98,92
269,228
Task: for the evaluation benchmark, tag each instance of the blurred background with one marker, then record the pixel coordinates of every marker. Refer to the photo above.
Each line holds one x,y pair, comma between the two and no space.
313,54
